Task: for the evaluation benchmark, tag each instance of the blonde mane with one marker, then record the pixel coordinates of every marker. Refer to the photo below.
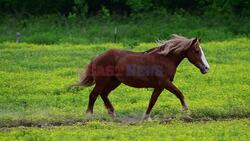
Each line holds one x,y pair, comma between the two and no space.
175,44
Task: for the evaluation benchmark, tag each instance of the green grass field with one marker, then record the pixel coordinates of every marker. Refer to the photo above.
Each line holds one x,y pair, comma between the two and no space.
33,92
236,130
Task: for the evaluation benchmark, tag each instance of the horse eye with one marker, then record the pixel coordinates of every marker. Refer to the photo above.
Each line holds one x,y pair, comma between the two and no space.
197,51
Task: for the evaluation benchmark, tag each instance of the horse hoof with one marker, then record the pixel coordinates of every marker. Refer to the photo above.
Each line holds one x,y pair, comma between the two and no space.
185,109
89,113
113,115
147,117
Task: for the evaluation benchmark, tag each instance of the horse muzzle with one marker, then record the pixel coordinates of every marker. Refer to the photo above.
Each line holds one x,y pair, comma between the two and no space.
204,70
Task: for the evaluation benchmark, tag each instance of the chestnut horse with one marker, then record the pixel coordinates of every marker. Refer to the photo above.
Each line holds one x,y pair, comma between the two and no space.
165,57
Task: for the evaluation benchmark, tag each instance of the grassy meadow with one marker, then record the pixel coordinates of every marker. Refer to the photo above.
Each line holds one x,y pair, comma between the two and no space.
34,80
35,73
237,130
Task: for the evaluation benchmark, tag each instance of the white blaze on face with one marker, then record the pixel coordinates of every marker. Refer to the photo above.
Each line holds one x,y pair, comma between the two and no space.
204,60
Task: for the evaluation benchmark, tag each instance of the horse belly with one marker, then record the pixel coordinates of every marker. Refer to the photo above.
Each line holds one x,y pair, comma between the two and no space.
136,81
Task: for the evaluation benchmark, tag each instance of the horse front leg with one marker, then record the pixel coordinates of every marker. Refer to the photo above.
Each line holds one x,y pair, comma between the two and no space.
151,104
173,89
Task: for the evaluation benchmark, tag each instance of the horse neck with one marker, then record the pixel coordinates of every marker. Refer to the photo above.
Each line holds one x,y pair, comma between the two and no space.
176,58
150,51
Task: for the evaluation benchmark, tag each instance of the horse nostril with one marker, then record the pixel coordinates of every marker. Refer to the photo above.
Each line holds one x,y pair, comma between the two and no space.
206,68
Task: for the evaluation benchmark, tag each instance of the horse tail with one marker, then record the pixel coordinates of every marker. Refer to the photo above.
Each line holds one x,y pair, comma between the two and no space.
86,80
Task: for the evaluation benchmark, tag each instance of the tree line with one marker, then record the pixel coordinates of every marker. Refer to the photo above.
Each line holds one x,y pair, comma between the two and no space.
122,7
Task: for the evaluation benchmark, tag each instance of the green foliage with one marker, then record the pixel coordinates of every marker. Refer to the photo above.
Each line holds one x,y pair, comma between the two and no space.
104,13
123,7
102,28
36,6
81,7
140,5
43,38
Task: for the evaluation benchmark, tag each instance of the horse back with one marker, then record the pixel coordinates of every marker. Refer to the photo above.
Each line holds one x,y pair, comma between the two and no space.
109,57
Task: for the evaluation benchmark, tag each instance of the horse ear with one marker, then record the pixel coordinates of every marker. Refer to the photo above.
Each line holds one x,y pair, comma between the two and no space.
194,41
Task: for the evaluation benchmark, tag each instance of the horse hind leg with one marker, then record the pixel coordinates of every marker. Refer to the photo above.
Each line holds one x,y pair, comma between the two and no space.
104,95
92,98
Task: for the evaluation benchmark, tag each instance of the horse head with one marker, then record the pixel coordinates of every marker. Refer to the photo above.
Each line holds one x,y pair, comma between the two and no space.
197,57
